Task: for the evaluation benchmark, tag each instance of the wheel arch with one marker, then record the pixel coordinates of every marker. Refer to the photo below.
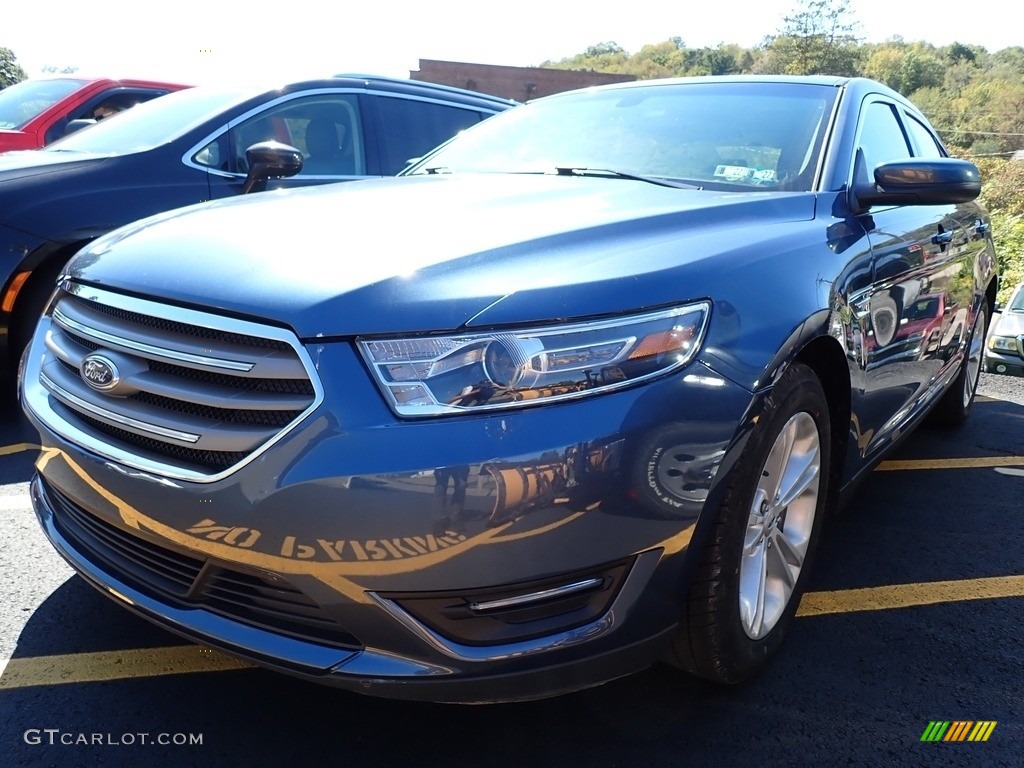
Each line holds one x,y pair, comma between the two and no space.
813,345
824,355
43,266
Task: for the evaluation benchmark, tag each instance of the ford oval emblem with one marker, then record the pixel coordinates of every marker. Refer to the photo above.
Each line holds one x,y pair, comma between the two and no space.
100,373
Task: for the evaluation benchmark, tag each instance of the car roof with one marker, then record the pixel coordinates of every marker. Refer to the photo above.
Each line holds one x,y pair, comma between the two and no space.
127,81
421,87
857,85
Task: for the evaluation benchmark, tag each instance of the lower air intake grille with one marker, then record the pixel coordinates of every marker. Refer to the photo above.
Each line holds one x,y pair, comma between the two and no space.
184,581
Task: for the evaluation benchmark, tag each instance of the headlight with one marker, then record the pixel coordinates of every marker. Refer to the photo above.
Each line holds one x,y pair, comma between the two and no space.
435,375
1003,344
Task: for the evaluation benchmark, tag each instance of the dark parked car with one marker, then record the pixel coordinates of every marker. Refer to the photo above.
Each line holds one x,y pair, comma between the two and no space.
191,146
573,394
1004,352
34,113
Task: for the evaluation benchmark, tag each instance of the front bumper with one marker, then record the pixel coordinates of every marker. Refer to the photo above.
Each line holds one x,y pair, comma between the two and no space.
492,558
367,670
1004,363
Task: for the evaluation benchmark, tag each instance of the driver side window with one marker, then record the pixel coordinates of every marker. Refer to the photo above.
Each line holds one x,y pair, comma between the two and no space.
325,128
881,140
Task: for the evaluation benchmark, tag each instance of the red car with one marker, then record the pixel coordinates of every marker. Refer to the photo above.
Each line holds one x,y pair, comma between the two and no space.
34,113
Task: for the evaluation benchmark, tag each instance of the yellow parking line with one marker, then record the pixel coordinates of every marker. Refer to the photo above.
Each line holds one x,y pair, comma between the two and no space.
113,665
190,659
7,450
909,595
982,462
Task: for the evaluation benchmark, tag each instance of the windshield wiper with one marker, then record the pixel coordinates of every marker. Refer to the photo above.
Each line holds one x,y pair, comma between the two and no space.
659,180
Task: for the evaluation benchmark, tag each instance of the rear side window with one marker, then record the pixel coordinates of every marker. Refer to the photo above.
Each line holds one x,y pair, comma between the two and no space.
881,139
411,128
925,144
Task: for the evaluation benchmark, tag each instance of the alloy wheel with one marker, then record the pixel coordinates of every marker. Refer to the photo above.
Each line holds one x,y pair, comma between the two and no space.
779,525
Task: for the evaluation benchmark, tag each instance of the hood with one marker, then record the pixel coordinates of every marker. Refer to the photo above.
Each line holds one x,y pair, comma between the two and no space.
1010,323
12,139
36,162
436,253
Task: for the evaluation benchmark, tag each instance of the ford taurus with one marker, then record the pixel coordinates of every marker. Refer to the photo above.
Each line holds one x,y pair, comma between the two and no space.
572,395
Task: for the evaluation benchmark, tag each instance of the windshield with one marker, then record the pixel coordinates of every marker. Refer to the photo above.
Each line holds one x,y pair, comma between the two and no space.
152,123
1017,303
21,102
719,135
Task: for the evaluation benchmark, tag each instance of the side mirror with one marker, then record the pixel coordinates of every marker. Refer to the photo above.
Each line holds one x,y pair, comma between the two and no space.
270,160
77,125
938,181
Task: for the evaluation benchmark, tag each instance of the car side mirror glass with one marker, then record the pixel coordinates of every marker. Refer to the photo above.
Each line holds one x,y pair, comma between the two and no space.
270,160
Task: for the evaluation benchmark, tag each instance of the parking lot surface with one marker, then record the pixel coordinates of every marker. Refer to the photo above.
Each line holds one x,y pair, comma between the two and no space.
911,624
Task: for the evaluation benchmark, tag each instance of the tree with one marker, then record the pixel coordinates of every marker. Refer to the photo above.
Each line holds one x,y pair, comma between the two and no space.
819,37
603,57
960,52
905,68
10,71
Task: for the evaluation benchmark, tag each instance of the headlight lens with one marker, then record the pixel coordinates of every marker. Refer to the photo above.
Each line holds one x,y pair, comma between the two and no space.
436,375
1003,344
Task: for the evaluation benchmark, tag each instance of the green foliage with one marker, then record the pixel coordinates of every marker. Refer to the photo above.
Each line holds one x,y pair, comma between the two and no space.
818,38
905,67
1008,234
669,58
10,71
1003,185
1003,182
603,57
976,110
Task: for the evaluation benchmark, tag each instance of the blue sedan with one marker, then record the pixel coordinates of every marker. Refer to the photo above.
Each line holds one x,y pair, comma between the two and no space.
573,394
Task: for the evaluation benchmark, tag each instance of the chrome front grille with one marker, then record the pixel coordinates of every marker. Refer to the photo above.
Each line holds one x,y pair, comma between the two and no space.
179,392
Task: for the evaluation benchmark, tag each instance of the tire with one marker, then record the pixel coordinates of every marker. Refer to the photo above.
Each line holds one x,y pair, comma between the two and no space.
955,406
753,569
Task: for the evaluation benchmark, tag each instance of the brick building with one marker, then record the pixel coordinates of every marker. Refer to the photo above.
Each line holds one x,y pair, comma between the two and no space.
519,83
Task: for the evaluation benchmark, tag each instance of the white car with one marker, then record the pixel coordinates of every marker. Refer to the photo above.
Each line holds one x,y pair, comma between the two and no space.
1004,350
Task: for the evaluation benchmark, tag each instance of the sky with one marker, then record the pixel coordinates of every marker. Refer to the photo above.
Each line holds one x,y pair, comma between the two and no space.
218,41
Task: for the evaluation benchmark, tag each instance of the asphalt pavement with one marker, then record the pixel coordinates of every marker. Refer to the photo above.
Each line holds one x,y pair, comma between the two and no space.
911,628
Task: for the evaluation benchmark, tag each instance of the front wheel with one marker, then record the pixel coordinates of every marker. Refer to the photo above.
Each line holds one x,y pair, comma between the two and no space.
754,567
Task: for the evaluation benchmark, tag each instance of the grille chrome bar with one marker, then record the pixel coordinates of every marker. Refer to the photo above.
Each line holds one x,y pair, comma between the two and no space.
73,353
149,350
84,319
522,601
169,405
103,414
